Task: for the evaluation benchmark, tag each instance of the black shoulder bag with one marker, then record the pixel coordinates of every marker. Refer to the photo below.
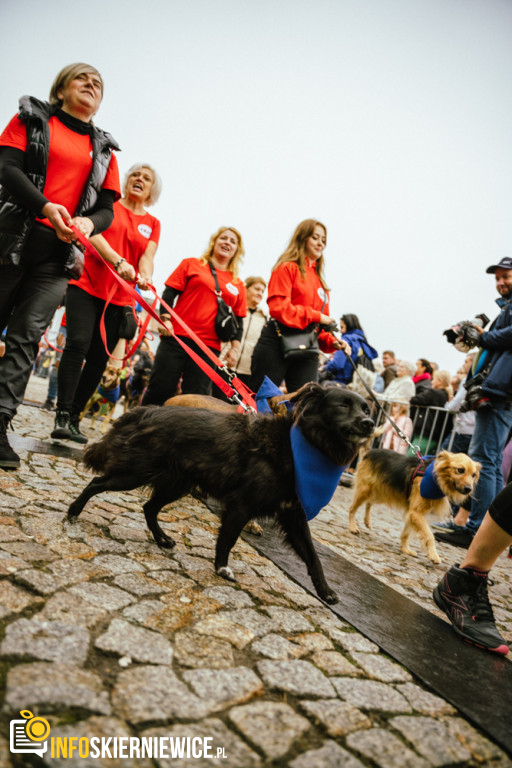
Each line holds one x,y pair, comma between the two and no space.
299,342
226,324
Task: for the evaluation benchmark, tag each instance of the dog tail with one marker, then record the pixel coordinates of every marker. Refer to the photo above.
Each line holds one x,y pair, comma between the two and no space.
96,455
101,456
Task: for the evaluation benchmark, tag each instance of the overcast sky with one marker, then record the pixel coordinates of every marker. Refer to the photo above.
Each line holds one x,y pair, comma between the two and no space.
388,120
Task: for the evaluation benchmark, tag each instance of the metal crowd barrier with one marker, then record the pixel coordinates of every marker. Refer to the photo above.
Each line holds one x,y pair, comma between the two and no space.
428,432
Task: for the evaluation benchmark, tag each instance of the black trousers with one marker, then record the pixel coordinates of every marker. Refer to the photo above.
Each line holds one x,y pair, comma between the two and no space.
29,295
171,362
84,342
268,360
501,509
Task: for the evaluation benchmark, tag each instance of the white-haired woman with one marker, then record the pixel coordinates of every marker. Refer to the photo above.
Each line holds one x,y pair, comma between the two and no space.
193,284
56,168
402,387
129,245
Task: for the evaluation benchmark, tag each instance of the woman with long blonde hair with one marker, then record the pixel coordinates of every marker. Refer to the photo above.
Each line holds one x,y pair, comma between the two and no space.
298,302
193,284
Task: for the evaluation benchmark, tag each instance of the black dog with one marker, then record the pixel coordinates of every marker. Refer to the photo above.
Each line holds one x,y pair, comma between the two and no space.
244,462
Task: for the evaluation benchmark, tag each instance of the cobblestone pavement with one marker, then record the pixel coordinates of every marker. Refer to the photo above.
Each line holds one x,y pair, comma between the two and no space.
104,635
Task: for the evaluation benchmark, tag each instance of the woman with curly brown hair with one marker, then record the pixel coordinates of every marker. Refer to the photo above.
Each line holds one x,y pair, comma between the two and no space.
298,302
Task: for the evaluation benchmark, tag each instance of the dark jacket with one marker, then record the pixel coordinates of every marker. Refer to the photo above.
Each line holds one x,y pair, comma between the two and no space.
15,221
497,346
339,366
428,422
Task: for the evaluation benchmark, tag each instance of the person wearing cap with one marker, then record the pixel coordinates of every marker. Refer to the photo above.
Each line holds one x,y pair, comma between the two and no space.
493,407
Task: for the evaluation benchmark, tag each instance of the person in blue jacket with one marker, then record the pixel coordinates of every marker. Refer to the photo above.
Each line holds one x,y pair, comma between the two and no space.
339,368
492,401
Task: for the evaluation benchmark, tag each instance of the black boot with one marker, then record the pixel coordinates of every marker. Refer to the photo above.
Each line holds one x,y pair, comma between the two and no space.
462,595
61,429
74,428
8,458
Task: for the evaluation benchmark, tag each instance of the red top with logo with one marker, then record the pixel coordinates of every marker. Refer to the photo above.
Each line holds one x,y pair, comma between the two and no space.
197,304
69,162
296,302
129,235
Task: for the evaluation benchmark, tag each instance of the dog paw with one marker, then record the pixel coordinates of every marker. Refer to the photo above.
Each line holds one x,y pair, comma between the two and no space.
353,529
330,598
166,543
408,551
254,528
72,514
434,557
226,573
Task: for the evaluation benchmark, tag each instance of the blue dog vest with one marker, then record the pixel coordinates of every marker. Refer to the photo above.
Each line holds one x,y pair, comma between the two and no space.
429,487
316,476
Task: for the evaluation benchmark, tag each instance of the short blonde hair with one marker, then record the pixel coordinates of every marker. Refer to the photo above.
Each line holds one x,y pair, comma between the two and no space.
156,189
66,75
253,280
444,378
235,262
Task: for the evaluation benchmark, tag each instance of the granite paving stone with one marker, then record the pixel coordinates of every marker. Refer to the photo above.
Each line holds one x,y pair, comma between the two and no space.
274,646
337,717
46,640
300,678
386,749
380,668
330,755
143,645
50,687
371,695
271,727
236,753
14,599
102,595
146,694
193,650
432,739
334,663
227,686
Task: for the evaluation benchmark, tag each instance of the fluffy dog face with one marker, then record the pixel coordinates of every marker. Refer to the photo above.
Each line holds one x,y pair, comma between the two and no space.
334,420
457,475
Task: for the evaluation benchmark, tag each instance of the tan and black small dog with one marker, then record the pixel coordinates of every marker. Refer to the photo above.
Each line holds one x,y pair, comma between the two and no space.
104,400
387,477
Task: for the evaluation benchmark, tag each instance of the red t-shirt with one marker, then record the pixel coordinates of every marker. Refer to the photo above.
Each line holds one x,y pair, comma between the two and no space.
129,235
197,304
69,162
297,302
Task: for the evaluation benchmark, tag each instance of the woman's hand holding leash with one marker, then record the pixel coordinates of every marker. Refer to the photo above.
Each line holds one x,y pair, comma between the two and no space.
126,271
344,345
59,218
231,358
83,224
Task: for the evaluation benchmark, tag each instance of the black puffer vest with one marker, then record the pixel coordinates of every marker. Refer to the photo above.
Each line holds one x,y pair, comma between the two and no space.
15,221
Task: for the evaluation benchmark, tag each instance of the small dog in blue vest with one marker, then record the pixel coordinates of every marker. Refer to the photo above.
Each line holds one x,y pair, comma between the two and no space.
103,401
387,477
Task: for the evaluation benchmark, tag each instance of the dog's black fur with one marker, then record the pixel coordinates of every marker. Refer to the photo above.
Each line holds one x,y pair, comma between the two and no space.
244,462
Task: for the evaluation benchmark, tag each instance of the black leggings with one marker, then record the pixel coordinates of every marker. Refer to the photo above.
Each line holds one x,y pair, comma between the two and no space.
501,509
83,341
268,360
171,363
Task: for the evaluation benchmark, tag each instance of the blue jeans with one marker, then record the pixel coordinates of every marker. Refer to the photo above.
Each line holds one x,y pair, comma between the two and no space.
487,445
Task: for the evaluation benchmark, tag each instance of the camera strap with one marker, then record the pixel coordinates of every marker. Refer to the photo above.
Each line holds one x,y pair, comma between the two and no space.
401,434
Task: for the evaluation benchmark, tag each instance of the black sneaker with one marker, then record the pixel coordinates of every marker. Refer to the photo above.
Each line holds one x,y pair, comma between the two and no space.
8,458
459,537
462,595
61,429
74,428
48,405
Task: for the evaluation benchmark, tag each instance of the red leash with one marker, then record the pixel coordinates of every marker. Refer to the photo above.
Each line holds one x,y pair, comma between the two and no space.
235,390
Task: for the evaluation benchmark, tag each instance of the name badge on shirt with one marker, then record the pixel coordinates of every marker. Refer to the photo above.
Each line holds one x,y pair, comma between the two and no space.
232,289
144,230
323,295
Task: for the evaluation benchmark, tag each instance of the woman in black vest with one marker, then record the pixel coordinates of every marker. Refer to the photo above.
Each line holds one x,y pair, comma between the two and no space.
56,169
